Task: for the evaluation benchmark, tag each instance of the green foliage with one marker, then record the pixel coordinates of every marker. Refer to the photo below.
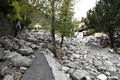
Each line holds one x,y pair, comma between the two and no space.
105,17
16,10
26,11
44,24
25,22
65,25
6,7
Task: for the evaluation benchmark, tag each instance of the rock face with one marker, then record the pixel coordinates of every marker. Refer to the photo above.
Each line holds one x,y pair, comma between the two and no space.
6,27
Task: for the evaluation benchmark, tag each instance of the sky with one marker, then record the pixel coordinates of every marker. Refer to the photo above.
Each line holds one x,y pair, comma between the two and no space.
82,6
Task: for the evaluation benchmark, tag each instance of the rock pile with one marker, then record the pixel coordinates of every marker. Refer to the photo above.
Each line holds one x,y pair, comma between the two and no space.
17,54
87,60
82,59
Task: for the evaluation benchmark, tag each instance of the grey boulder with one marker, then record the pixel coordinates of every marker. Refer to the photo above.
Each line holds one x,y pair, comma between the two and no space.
8,77
79,74
26,51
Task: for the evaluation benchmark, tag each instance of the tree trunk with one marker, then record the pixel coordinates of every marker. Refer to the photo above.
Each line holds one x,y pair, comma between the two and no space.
53,31
112,43
62,38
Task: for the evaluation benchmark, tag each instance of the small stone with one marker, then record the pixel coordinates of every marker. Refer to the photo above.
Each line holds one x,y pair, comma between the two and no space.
68,76
98,63
113,78
115,61
31,39
85,56
65,69
111,50
33,46
71,58
85,52
71,71
118,65
88,77
102,77
23,68
33,56
71,65
76,56
65,58
79,74
107,73
102,68
112,69
108,63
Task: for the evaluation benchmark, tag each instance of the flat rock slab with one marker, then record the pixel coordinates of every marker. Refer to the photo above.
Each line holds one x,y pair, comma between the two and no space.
40,70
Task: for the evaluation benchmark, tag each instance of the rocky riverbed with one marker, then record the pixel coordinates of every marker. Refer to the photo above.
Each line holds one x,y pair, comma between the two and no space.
89,61
82,59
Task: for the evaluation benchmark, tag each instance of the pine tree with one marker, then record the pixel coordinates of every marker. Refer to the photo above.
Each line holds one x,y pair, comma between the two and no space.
6,8
105,17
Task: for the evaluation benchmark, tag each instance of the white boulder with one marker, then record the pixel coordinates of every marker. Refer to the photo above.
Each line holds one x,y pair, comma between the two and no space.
102,77
79,74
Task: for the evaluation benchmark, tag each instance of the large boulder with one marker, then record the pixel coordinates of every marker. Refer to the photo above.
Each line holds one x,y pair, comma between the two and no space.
26,51
80,35
11,55
22,42
21,61
18,60
7,44
4,71
10,44
8,77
